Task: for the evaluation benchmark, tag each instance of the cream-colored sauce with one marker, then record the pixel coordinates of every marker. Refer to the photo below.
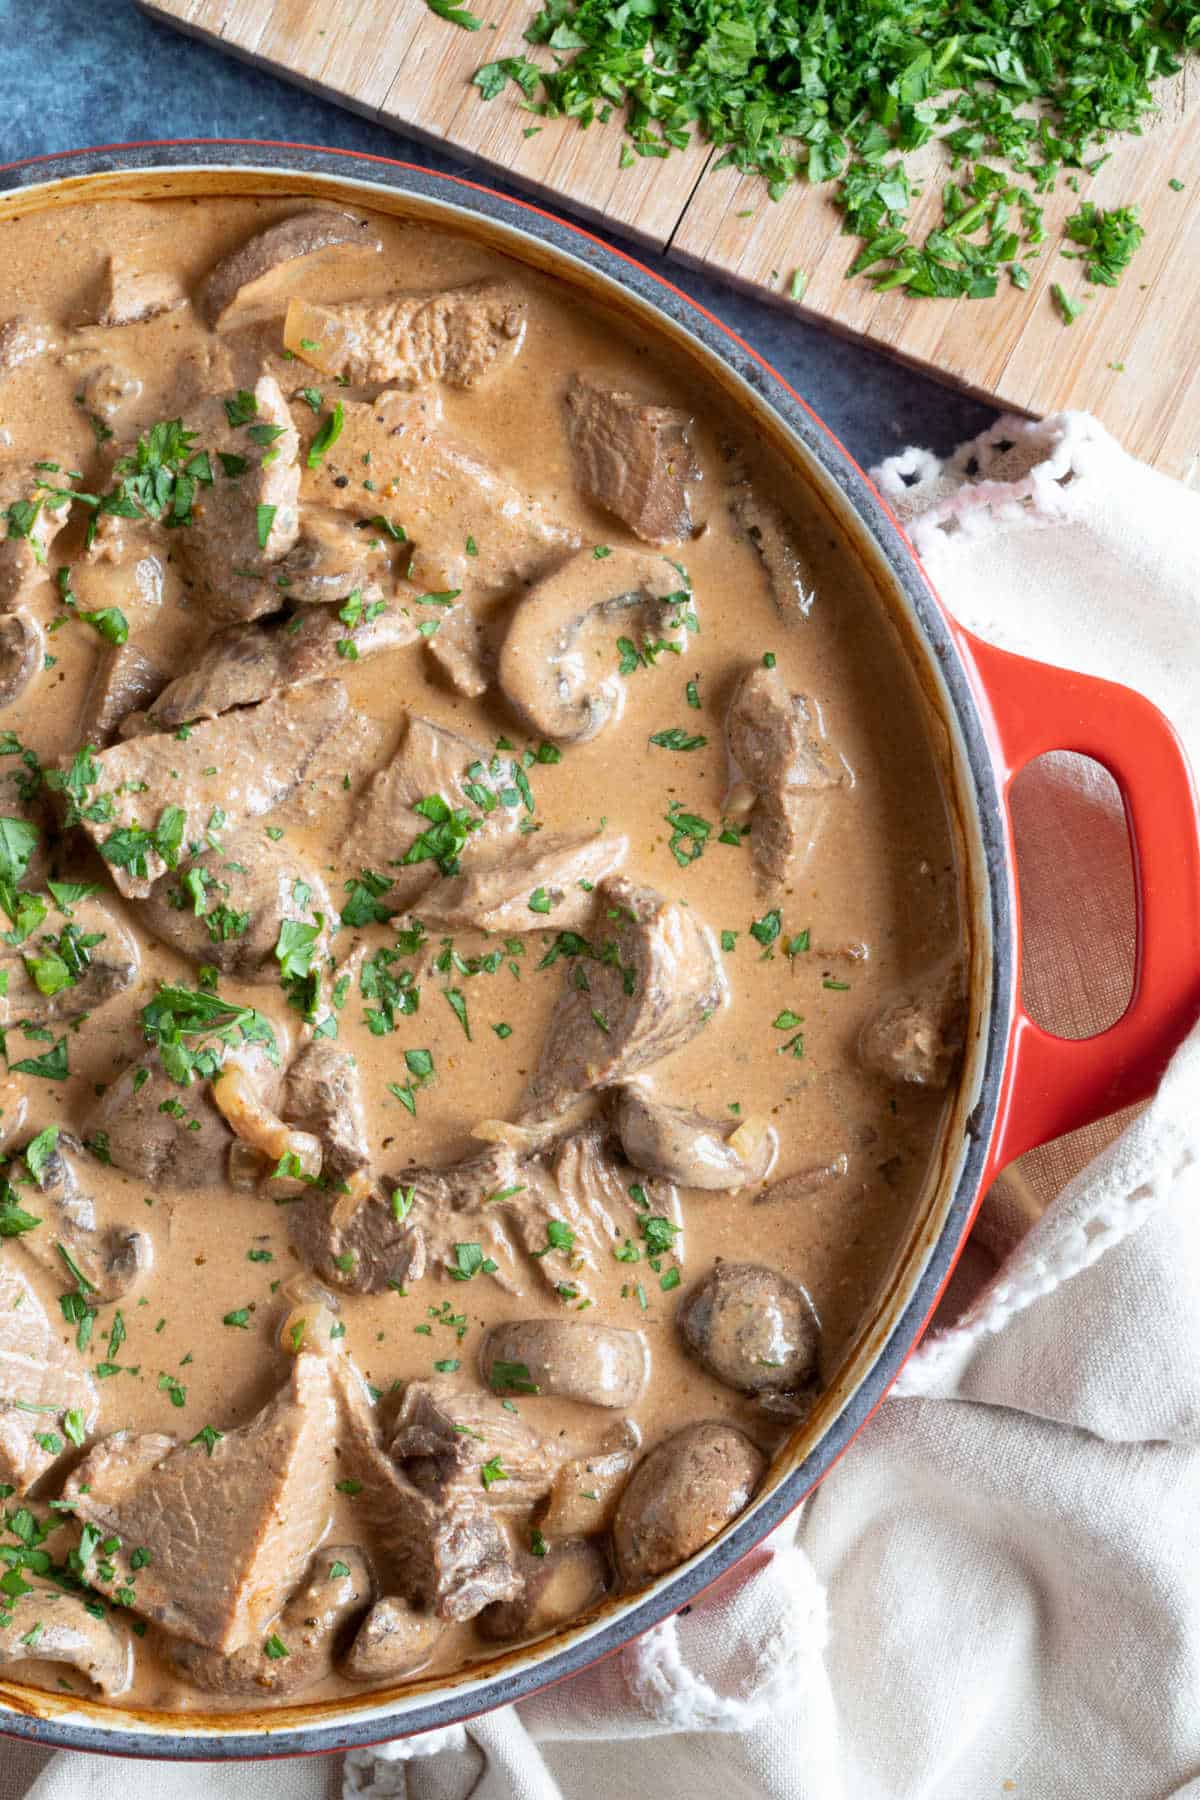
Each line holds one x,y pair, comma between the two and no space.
881,876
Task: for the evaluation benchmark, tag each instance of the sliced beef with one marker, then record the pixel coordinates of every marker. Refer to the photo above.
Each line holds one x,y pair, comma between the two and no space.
368,1242
463,649
546,883
680,1145
601,1365
459,336
330,559
32,518
71,971
752,1328
632,458
787,769
125,682
393,1640
917,1036
48,1625
41,1378
248,517
775,539
22,653
443,494
559,668
305,233
447,1436
323,1095
149,1124
238,767
22,338
129,295
446,1557
337,1590
559,1587
246,663
431,762
227,906
231,1526
112,1259
652,985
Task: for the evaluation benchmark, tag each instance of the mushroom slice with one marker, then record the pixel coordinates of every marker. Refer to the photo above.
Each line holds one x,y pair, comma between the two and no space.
302,1642
68,973
774,538
458,337
302,234
653,984
558,1588
548,882
124,682
547,667
22,647
111,1261
600,1365
393,1640
685,1147
49,1625
585,1492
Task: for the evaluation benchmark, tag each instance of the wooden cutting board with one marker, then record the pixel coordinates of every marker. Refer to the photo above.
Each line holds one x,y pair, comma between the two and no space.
1132,356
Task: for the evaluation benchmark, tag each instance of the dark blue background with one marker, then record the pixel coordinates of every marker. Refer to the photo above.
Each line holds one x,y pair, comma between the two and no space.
86,72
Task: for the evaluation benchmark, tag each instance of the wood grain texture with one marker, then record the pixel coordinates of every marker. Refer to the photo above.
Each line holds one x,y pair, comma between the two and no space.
1132,356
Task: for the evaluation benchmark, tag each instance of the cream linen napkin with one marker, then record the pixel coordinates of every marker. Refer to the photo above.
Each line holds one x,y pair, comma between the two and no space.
997,1591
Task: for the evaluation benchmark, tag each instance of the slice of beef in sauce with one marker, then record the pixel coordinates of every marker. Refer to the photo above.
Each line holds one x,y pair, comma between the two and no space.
230,1525
42,1377
775,539
632,458
442,493
916,1038
112,1259
235,280
124,683
130,295
784,772
237,767
243,664
655,980
68,968
547,882
458,336
336,1591
446,1436
465,649
227,906
681,1145
446,1555
556,668
454,780
247,518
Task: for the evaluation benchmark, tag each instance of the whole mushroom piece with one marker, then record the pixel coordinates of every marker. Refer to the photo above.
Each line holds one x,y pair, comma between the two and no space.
681,1495
52,1626
752,1328
600,1365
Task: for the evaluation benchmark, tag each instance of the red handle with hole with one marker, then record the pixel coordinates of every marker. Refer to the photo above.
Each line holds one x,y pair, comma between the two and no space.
1052,1084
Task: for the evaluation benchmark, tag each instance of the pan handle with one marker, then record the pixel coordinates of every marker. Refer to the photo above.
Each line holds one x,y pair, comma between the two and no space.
1053,1084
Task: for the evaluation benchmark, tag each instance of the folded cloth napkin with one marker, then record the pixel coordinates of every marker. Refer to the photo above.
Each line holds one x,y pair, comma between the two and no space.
997,1590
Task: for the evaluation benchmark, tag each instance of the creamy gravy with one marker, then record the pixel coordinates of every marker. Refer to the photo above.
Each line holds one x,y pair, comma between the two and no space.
867,913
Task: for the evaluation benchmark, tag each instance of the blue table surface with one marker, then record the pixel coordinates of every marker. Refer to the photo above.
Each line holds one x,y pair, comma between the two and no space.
99,71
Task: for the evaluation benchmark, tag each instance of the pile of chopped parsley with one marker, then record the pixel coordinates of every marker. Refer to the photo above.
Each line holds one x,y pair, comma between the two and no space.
842,91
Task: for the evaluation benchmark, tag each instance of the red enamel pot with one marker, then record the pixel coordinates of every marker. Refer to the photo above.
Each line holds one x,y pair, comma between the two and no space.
995,711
